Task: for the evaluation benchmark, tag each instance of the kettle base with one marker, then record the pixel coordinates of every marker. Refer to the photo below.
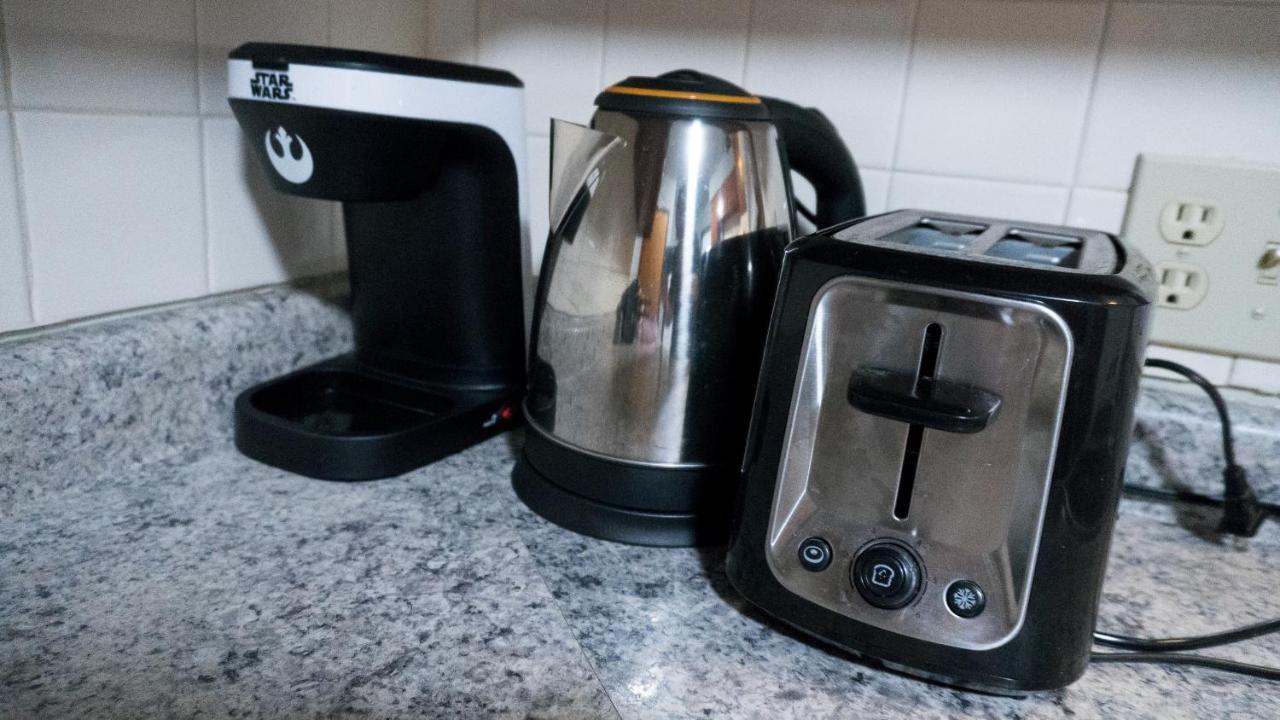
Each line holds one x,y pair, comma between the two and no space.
613,522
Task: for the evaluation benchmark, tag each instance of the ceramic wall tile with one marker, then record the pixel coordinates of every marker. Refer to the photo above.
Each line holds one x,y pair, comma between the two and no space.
114,211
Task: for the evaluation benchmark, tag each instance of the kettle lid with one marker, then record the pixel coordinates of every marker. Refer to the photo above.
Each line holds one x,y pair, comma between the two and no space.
683,92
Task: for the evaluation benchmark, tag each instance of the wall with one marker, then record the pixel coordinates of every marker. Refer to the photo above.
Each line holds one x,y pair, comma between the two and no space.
123,179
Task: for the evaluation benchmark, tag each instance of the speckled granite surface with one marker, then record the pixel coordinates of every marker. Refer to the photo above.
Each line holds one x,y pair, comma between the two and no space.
149,570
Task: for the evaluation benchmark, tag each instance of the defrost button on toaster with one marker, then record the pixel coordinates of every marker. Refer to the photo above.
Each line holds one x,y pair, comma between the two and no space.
966,599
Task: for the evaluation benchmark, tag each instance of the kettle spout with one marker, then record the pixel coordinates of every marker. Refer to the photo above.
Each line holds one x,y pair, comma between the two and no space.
577,153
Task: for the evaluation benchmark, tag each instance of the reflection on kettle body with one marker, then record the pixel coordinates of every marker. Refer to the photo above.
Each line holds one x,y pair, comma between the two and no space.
691,251
669,217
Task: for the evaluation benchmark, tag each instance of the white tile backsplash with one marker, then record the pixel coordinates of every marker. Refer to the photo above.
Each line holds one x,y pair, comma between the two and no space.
998,89
1184,79
1256,374
656,36
257,235
1215,368
120,55
1036,203
223,25
1031,109
4,64
113,211
401,27
1097,209
15,309
554,47
875,187
847,59
452,30
539,182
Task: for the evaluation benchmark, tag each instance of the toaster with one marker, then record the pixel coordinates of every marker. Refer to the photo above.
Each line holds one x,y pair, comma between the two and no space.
938,443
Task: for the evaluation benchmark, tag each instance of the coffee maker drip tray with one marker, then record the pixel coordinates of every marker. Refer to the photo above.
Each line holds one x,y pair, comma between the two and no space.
339,421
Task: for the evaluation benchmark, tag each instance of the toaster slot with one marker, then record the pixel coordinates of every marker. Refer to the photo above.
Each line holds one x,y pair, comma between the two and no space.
935,234
915,433
1041,248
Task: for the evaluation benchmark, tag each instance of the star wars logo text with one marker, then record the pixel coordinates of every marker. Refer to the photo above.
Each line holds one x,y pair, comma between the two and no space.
271,86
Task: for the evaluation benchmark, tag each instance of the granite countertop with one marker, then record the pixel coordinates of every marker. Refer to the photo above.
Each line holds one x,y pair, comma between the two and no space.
147,569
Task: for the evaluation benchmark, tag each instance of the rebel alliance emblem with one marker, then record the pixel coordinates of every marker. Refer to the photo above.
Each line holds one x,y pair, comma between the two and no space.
289,155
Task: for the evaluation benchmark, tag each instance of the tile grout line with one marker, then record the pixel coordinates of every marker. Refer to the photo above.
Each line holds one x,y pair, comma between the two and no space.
913,30
19,178
328,22
604,44
475,31
1202,3
1083,134
1086,125
6,85
746,43
204,155
110,112
950,176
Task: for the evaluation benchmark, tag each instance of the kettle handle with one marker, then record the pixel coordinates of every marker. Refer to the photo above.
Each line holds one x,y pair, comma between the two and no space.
812,147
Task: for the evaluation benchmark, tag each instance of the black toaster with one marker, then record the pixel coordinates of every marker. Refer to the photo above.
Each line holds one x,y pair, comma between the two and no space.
938,443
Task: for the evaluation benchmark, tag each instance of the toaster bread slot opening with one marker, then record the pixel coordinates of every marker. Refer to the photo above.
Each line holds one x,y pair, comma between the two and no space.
1042,248
953,235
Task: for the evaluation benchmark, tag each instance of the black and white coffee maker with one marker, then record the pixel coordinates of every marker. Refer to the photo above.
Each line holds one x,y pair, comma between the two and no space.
428,160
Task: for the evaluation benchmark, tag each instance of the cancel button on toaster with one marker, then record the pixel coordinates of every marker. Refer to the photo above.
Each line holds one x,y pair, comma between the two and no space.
886,574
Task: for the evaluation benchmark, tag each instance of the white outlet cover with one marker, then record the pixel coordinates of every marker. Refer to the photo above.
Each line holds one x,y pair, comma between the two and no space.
1239,313
1191,221
1182,285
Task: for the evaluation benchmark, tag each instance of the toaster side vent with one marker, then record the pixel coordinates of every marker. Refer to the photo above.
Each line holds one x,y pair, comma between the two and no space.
915,432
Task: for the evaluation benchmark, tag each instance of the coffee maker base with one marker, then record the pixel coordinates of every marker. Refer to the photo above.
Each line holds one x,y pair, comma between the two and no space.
338,420
558,496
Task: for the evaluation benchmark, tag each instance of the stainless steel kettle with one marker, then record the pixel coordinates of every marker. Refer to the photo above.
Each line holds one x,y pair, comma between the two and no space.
668,220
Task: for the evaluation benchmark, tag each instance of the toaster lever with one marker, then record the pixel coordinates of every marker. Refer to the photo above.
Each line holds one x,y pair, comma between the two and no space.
928,401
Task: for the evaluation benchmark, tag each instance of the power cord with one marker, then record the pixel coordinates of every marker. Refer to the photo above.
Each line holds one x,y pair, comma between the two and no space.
1193,642
1231,666
1242,514
1184,497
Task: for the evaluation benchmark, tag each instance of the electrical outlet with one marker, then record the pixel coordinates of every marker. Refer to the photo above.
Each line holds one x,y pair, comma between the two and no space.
1193,222
1182,285
1212,231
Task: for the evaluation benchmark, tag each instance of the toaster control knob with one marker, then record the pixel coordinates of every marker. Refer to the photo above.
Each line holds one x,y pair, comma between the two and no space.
815,554
886,574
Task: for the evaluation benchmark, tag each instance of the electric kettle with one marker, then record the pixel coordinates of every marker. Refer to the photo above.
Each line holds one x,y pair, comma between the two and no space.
668,220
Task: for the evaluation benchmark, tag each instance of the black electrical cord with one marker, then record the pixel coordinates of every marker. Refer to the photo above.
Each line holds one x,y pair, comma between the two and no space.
1184,497
1231,666
1219,404
1242,514
1194,642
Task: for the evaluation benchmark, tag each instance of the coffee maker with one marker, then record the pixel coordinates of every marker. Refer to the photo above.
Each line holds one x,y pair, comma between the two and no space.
427,159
